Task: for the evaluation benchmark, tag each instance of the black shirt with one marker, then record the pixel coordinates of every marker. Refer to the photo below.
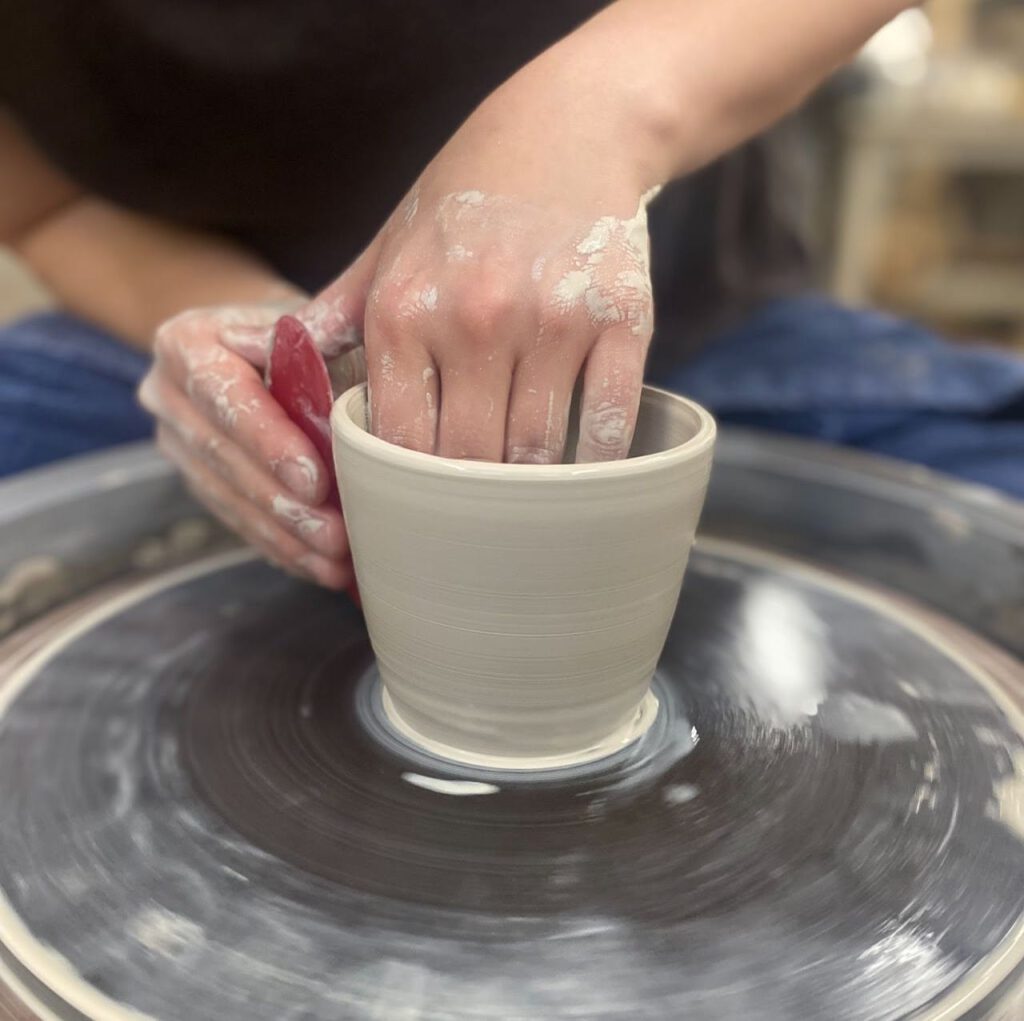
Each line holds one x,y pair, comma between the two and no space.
295,126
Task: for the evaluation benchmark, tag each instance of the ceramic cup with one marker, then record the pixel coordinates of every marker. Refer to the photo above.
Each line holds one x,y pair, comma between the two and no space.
518,611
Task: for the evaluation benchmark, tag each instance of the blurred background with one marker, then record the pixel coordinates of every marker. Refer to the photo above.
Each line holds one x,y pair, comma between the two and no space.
916,169
921,205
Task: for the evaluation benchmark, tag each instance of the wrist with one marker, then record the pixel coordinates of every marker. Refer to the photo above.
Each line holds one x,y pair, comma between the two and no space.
566,120
621,100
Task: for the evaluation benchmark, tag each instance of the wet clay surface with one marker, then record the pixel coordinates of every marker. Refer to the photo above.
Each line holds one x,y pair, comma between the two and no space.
204,813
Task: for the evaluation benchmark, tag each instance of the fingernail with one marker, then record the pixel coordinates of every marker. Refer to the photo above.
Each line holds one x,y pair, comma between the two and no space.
301,476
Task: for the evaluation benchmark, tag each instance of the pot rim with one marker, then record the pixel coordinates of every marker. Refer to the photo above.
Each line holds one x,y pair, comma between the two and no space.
345,430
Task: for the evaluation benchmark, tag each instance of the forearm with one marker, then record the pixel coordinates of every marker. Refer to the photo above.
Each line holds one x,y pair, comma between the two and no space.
124,271
682,81
128,273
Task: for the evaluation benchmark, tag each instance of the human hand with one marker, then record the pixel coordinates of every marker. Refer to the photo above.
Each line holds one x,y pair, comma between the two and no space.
498,281
240,454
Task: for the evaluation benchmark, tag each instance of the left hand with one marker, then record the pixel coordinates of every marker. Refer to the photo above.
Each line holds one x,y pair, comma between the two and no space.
239,452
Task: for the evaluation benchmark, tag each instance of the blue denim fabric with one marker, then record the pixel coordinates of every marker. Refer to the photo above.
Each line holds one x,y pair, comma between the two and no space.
65,388
804,366
809,367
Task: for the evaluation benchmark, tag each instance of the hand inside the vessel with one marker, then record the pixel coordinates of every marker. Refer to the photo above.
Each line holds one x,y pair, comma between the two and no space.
518,261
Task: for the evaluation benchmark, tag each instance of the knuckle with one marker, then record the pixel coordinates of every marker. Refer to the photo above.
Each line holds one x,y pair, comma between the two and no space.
172,331
386,297
403,304
388,323
605,430
482,303
214,391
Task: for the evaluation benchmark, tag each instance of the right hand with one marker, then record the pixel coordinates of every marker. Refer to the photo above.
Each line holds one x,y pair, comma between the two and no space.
240,454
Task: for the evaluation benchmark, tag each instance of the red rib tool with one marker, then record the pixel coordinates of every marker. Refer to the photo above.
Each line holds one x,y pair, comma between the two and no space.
297,379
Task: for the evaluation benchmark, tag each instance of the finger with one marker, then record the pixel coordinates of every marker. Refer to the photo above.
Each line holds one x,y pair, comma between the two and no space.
474,408
255,527
402,389
215,497
334,317
321,528
249,331
230,394
612,382
538,414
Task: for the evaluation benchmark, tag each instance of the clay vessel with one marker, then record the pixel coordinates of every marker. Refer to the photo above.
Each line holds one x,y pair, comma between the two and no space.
518,611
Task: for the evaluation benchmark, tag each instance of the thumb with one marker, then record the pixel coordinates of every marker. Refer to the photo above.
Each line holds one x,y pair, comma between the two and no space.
334,317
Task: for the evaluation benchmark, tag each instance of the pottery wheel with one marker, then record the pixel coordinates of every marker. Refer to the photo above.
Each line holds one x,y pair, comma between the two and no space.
204,814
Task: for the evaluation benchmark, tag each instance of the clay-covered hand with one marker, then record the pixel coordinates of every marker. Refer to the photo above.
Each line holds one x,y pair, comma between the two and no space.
240,454
518,261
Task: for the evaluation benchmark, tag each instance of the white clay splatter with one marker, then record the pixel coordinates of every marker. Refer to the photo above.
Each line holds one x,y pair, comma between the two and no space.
907,947
602,307
330,326
599,238
456,788
679,793
308,468
848,716
605,427
217,387
165,933
428,298
572,289
627,297
226,411
632,279
294,512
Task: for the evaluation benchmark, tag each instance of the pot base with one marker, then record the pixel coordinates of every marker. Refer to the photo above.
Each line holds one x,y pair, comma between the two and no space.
634,727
